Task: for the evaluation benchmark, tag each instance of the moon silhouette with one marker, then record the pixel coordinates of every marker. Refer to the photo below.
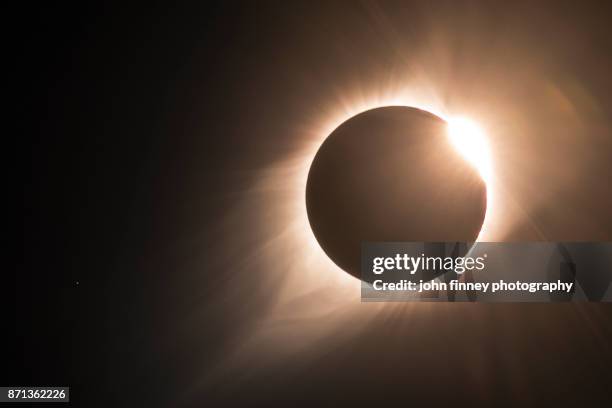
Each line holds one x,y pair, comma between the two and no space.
391,174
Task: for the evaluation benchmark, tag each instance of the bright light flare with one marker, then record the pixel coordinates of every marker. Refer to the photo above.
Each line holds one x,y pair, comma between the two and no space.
470,140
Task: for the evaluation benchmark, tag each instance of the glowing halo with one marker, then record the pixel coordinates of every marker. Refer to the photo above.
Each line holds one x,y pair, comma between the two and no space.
309,286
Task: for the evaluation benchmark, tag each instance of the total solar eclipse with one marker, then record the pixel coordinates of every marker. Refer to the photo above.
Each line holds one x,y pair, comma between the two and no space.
391,174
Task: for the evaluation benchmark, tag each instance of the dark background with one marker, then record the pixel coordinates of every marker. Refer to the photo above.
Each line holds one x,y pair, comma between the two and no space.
142,125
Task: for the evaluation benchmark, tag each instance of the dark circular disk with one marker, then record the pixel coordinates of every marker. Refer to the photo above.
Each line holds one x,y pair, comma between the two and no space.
391,174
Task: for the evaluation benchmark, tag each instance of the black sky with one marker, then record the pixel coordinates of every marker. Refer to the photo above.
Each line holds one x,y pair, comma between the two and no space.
143,126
